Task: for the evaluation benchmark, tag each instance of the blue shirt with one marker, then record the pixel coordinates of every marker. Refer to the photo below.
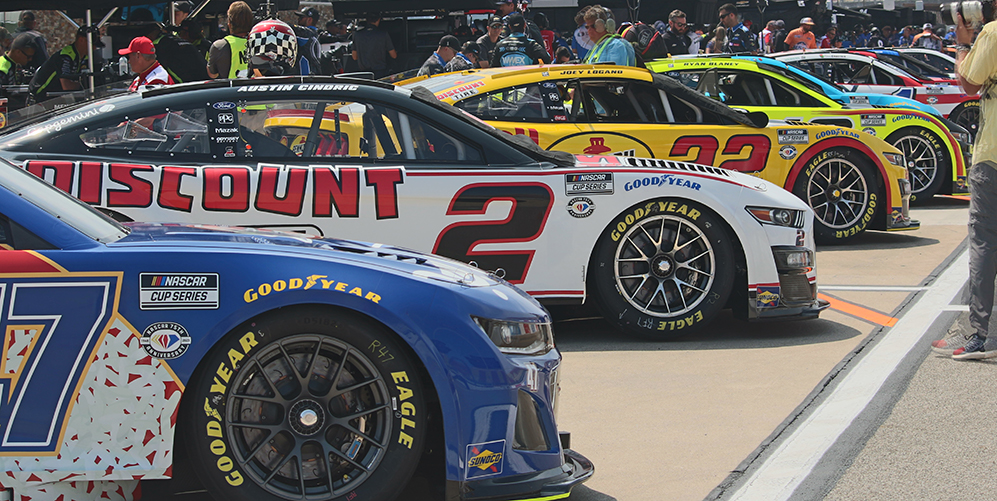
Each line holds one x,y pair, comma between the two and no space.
740,39
612,49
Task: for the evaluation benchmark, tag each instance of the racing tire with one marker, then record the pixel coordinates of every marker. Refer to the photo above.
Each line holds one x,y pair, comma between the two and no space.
967,115
663,268
928,162
307,402
841,189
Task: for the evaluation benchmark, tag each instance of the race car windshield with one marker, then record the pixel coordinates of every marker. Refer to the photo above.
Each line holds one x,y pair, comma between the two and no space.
68,209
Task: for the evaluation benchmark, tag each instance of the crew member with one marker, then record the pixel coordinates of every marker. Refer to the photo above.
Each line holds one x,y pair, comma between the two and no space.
142,60
466,59
21,50
26,24
487,41
372,47
739,38
61,72
449,46
609,47
802,38
517,49
676,36
227,56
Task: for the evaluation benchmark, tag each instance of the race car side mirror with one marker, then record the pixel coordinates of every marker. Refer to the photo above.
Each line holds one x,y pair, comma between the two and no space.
758,119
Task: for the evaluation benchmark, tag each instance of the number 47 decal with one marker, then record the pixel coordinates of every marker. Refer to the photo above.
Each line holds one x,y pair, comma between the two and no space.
63,318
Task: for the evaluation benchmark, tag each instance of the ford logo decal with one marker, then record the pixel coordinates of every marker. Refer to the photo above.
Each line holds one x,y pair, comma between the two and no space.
223,105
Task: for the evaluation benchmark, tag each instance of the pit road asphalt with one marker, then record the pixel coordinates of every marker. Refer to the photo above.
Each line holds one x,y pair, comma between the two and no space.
853,405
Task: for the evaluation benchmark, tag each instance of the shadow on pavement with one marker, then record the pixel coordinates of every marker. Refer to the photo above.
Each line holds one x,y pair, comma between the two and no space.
582,493
726,333
879,240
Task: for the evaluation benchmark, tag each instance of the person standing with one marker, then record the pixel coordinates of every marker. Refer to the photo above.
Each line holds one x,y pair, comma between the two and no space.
449,46
372,47
580,42
227,56
61,72
26,24
142,60
830,39
976,69
676,36
715,45
779,37
927,38
19,54
518,49
181,10
739,38
766,37
875,38
466,59
486,43
802,38
609,47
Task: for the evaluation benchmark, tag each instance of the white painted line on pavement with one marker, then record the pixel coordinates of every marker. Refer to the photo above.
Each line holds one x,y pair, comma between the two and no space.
874,288
797,455
956,307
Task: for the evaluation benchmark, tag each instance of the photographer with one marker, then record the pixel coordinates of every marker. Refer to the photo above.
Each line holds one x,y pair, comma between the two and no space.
976,67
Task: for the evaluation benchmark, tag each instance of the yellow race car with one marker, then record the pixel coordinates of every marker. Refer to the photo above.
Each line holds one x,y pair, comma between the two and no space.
936,149
852,180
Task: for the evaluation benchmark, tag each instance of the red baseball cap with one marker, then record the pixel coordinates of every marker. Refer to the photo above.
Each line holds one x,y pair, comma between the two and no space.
142,45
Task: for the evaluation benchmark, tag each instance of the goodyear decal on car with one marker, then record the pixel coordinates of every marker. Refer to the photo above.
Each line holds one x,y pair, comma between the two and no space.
311,281
793,136
876,120
590,183
485,459
662,180
910,116
178,291
837,132
767,297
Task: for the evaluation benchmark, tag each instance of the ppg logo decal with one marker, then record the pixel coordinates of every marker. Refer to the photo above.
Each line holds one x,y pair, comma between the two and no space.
226,118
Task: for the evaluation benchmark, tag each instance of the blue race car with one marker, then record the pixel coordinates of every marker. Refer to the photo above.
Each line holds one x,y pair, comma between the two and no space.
270,365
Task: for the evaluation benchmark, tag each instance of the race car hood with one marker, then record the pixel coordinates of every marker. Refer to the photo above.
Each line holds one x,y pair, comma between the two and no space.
282,243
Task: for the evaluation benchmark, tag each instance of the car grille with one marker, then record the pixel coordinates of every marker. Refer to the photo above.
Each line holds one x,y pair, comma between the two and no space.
795,288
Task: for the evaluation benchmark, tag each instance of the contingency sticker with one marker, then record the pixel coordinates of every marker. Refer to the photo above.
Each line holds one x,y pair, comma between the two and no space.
485,459
793,136
165,340
767,297
860,100
178,291
877,120
588,183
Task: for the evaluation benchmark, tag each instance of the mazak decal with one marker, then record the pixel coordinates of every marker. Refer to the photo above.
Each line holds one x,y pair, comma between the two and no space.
485,459
581,207
787,152
793,136
767,297
178,291
588,183
877,120
165,340
662,180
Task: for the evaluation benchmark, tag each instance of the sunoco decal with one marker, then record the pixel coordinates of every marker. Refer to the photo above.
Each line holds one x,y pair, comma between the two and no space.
588,183
178,291
767,297
581,207
485,459
793,136
872,120
165,340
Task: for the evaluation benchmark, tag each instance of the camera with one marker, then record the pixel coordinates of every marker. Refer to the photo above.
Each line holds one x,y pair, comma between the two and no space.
974,12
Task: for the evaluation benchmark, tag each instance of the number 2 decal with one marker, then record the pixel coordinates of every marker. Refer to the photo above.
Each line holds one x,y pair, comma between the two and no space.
531,204
39,379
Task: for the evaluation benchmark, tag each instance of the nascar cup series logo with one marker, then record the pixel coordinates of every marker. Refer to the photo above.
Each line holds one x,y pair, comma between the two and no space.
165,340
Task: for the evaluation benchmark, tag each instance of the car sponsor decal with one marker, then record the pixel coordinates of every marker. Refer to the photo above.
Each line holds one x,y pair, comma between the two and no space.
870,131
178,291
859,100
767,297
590,183
934,90
662,180
271,188
787,152
793,136
910,116
603,143
485,459
461,92
306,283
57,125
877,120
223,105
836,132
581,207
165,340
226,118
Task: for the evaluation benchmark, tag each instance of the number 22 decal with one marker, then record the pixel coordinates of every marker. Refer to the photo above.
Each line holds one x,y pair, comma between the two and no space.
531,204
67,315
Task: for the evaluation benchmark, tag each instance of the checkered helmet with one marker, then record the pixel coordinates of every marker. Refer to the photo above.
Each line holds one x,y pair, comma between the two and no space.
272,41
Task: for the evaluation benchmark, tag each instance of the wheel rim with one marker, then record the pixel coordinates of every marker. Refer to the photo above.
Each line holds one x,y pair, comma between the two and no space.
309,417
969,118
922,161
664,266
838,193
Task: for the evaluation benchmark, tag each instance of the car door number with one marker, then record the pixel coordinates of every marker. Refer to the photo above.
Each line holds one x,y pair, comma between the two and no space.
758,147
